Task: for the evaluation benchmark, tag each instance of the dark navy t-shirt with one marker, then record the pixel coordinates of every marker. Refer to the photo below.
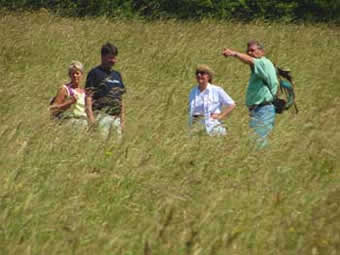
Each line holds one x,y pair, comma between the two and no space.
107,89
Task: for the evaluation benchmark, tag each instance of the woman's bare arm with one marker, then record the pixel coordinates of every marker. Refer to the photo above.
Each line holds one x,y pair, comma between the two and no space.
61,103
225,112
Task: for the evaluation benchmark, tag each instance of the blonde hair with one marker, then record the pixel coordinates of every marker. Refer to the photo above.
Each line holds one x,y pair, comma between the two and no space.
75,65
205,69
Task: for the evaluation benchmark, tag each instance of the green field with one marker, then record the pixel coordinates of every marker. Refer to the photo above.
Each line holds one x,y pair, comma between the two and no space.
63,191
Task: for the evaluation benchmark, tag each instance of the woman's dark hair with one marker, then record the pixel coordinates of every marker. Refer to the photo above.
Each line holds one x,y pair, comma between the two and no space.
109,48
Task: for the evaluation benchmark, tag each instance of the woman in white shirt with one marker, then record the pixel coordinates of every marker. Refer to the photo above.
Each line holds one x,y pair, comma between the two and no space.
208,104
69,103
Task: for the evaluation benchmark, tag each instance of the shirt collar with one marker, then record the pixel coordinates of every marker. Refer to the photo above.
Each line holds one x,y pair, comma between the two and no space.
208,88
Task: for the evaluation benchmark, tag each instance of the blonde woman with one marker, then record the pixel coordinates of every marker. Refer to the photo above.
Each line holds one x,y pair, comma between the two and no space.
69,103
208,104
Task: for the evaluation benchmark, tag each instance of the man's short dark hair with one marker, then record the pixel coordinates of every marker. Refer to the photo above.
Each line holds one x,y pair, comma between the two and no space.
109,48
254,42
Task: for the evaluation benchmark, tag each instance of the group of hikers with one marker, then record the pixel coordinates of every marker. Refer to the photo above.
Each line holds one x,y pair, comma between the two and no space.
101,102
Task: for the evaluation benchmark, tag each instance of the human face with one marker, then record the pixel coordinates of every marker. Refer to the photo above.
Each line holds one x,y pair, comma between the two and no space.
76,76
254,51
202,78
108,61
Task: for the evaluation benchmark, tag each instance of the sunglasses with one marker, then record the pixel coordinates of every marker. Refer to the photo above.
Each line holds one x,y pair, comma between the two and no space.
201,73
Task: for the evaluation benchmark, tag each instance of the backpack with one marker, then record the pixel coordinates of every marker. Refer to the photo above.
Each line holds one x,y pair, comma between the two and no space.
286,88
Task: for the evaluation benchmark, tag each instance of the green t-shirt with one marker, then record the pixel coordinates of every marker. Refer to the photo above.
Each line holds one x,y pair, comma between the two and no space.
257,92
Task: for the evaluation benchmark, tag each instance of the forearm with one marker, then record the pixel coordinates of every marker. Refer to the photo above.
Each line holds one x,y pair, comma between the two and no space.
64,105
241,56
226,111
57,108
122,114
244,58
89,110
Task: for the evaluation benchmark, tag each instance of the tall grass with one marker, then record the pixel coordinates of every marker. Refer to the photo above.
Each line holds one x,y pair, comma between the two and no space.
65,191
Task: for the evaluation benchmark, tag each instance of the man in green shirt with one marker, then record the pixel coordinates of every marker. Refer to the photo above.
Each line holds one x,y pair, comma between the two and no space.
262,87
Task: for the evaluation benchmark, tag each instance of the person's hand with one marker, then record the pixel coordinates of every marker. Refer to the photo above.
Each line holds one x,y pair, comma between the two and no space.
91,121
92,124
52,107
215,116
74,98
228,52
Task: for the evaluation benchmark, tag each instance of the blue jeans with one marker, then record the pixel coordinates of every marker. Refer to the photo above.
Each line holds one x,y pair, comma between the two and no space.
262,122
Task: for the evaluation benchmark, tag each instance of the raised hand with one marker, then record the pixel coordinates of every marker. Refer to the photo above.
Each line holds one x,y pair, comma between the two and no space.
228,52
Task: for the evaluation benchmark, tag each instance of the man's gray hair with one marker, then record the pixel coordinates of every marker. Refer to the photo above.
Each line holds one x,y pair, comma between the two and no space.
257,43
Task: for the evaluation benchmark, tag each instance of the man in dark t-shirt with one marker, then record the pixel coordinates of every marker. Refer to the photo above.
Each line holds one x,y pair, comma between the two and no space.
104,90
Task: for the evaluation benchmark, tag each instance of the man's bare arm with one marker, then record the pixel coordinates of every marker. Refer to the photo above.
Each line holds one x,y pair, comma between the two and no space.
122,115
88,108
241,56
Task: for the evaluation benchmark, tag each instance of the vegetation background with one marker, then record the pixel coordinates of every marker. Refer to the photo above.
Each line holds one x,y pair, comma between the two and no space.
287,10
66,191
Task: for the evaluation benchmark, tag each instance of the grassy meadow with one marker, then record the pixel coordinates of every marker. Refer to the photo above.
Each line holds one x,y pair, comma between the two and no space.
159,191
